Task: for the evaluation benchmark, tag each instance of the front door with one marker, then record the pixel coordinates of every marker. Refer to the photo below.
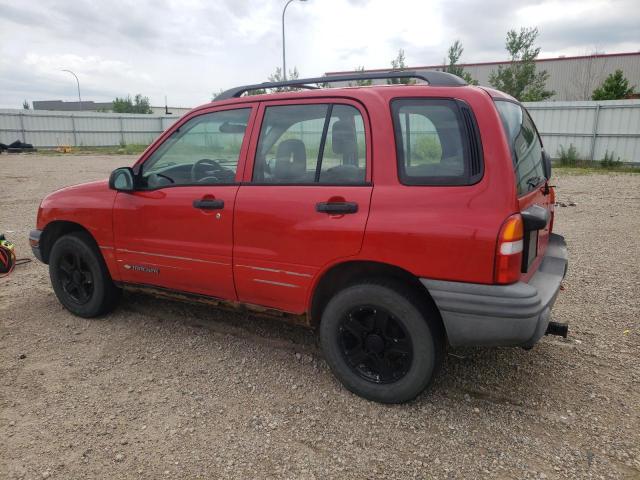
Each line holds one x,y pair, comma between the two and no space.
175,230
305,199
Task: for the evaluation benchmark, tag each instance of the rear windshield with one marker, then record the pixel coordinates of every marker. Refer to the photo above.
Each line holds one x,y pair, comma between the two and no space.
525,145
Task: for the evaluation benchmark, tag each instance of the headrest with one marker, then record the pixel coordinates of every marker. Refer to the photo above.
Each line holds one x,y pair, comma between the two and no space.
291,160
343,137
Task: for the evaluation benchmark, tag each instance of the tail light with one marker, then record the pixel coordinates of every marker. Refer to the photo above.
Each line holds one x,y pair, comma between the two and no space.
509,250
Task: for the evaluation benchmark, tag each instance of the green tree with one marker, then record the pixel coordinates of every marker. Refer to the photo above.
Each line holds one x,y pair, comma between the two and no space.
139,104
399,64
615,87
216,93
360,83
25,105
520,78
453,56
278,77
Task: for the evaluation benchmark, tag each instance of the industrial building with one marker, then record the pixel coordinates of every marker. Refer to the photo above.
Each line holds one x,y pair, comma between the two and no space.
90,106
572,78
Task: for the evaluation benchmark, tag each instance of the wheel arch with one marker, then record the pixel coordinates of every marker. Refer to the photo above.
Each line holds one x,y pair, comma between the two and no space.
348,273
56,229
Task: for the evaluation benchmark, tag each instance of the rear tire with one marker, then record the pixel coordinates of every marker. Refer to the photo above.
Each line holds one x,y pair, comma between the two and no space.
79,276
381,341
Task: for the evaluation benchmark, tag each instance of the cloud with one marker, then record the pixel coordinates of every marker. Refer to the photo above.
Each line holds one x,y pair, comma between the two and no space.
594,27
186,49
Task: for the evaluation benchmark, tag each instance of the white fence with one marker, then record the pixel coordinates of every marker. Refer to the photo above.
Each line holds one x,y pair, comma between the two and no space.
50,129
594,128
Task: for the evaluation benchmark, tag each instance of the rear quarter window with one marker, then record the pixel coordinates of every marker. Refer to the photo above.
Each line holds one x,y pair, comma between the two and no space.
525,145
437,142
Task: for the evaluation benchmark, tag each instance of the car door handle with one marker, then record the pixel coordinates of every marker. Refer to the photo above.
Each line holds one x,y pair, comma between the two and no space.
208,204
337,208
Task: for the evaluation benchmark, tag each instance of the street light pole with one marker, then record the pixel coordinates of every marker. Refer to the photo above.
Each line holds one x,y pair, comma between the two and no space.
78,82
284,57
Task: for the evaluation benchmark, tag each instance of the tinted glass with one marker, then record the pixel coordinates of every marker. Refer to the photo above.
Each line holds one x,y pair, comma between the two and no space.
311,144
526,149
205,150
431,142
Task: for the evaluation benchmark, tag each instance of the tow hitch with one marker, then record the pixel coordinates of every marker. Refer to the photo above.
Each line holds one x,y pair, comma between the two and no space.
557,328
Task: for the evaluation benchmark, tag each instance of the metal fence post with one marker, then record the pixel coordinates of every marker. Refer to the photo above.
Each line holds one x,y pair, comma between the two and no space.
161,128
594,136
24,136
73,128
122,142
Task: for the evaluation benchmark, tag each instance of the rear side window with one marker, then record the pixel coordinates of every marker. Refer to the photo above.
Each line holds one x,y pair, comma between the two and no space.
437,142
525,145
311,144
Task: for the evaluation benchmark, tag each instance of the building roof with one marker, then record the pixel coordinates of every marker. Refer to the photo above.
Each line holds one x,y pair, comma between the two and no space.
440,65
61,105
91,106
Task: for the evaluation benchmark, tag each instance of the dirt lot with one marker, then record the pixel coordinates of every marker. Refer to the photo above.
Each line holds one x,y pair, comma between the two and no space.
168,390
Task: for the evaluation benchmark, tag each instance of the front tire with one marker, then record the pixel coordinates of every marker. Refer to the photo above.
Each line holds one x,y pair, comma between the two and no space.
79,276
381,341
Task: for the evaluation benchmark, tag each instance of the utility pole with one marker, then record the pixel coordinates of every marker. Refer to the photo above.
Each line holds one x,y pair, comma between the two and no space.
284,57
78,82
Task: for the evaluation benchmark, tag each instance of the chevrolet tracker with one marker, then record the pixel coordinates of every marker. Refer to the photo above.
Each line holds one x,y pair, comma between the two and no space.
397,220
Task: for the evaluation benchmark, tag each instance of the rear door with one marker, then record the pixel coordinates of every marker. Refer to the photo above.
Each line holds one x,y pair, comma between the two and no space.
305,199
176,229
528,164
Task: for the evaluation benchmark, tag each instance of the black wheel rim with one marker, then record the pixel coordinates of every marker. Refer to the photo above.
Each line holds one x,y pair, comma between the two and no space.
375,344
75,277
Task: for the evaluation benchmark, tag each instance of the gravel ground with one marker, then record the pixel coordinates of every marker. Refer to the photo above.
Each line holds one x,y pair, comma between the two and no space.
169,390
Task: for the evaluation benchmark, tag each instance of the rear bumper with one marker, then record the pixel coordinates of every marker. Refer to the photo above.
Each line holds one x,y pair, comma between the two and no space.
34,242
491,315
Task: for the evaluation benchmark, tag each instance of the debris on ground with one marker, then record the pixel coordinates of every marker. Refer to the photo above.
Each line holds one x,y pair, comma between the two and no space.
138,394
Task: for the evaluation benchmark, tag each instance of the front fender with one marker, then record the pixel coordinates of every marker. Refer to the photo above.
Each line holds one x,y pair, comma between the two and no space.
87,207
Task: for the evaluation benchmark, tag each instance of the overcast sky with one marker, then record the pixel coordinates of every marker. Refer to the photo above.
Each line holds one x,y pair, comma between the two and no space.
187,49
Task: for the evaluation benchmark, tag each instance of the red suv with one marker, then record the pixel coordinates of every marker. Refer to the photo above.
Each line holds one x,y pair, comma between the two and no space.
396,219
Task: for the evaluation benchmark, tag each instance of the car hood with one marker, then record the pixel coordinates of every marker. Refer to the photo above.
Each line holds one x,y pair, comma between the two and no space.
81,189
88,195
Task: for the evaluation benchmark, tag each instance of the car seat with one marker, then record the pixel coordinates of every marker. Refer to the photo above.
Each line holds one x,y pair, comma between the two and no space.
291,161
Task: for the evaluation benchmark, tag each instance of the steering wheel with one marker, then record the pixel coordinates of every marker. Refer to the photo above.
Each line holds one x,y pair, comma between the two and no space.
206,169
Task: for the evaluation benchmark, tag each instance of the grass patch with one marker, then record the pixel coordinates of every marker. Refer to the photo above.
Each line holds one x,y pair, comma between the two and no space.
111,150
569,159
584,168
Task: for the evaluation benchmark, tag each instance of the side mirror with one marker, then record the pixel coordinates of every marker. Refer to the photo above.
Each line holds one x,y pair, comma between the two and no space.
546,162
122,179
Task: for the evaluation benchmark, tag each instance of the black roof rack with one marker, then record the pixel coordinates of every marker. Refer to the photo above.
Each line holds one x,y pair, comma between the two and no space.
435,78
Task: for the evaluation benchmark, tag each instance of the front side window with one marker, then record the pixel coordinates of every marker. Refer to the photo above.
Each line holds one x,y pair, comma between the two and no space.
525,145
434,142
205,150
311,144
